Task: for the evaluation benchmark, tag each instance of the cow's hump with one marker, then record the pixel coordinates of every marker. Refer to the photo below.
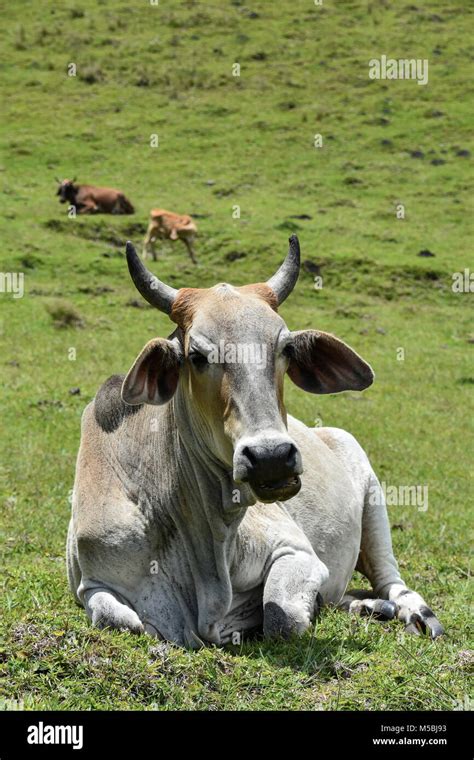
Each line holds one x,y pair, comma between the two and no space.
109,409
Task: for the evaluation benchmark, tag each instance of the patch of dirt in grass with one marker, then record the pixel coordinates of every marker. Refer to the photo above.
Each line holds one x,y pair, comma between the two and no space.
63,313
388,282
96,230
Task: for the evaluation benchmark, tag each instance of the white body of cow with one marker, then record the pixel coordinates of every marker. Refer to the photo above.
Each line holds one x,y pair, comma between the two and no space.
183,568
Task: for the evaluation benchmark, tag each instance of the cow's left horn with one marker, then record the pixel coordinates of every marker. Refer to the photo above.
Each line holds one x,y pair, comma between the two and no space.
152,289
284,280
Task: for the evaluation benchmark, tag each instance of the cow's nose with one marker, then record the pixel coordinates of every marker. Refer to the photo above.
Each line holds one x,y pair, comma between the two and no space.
266,459
271,465
266,462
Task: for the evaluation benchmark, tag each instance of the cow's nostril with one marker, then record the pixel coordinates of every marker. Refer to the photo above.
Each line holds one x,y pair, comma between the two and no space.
251,458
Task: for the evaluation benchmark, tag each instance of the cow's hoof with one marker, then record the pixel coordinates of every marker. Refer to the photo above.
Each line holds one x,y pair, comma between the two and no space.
424,622
384,610
378,609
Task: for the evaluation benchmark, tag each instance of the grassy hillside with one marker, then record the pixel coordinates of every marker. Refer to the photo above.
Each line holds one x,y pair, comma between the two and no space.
246,141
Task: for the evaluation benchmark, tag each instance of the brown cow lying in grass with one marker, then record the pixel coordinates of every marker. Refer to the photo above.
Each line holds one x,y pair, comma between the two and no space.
165,225
88,199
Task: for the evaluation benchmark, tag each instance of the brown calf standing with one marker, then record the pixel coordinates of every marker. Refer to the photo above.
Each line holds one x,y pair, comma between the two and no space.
89,199
165,225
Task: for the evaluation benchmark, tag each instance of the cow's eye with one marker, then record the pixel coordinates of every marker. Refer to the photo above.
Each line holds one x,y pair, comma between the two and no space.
289,350
198,360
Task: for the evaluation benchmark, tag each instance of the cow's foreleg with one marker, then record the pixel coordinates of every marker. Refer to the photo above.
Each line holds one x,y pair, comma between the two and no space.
149,243
88,207
106,611
290,596
378,564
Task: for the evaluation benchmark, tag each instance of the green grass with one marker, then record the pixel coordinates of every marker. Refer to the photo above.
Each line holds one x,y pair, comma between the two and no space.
167,70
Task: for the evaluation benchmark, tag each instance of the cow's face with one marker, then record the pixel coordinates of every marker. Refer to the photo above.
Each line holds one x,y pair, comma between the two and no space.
230,356
67,191
234,365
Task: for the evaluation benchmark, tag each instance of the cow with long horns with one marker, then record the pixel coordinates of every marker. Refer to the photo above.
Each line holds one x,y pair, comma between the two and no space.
200,508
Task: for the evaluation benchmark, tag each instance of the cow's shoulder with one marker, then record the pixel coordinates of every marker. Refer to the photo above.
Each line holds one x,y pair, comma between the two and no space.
109,409
337,438
347,448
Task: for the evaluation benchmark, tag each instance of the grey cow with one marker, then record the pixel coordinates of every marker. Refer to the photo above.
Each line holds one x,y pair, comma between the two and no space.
201,508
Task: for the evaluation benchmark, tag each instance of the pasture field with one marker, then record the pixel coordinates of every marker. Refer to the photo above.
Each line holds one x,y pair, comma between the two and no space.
246,141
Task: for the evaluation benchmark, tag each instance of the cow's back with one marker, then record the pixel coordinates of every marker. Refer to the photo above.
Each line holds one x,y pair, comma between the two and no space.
167,221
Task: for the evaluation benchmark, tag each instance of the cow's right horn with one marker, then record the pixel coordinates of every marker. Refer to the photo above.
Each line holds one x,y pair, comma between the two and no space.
284,279
152,289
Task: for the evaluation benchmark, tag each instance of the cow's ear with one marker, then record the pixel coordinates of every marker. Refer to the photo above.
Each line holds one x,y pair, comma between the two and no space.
154,376
321,363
